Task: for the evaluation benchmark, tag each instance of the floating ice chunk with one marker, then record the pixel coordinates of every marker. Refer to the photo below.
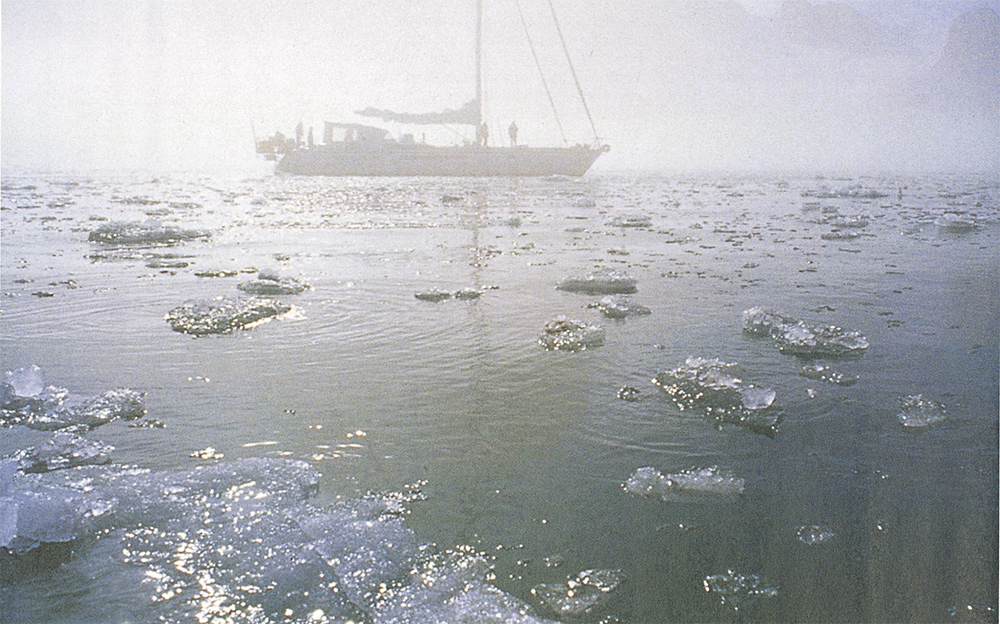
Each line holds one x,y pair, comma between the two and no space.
848,221
600,283
450,587
632,221
711,388
53,408
223,315
629,393
918,412
822,372
467,294
840,235
63,450
814,534
36,518
973,614
799,338
270,284
950,222
579,594
755,398
150,232
733,589
565,334
25,382
685,485
433,295
618,307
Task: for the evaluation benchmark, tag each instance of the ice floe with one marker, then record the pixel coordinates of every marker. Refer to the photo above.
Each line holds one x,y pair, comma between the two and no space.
62,450
26,400
580,594
224,315
711,388
799,338
269,284
917,411
564,334
599,283
814,534
433,295
619,307
734,589
684,485
243,537
150,232
822,372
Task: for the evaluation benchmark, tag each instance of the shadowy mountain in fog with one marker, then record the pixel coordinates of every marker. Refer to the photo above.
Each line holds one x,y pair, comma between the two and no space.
967,74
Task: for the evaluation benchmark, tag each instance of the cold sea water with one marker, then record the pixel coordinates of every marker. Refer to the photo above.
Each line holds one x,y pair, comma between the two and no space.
616,399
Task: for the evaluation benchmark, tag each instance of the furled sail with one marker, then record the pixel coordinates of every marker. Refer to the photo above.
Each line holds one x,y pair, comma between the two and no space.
468,114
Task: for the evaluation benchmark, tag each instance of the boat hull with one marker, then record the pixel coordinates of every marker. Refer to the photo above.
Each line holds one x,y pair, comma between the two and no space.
395,159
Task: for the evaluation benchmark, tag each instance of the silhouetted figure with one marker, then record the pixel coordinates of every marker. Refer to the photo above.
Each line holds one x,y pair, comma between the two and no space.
482,134
512,131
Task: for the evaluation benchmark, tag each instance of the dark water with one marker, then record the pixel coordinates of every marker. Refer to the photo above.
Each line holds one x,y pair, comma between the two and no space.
520,453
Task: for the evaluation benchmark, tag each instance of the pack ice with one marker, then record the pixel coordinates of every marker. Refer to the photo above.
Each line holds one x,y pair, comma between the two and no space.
26,400
243,540
150,232
599,283
800,338
223,315
711,388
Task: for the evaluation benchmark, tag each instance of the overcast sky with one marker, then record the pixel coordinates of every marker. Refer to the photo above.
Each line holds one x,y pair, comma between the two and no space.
707,84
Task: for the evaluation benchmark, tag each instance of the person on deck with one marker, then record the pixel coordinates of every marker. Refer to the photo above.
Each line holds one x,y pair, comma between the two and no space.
482,134
512,131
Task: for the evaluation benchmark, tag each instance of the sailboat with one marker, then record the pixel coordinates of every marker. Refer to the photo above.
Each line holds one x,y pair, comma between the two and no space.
353,149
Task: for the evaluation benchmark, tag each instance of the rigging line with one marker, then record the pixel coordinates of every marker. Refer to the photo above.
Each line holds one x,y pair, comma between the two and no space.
539,66
579,89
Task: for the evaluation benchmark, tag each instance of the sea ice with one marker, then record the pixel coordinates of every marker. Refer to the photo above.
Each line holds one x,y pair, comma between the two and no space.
949,222
565,334
733,589
26,382
63,450
50,408
917,412
600,283
223,315
821,372
814,534
632,221
433,295
685,485
242,537
579,594
150,232
710,387
270,284
619,307
799,338
468,294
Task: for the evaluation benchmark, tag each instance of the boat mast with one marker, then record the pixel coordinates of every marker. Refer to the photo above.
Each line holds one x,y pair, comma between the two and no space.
479,61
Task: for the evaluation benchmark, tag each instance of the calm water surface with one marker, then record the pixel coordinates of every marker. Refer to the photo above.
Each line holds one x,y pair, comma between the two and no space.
520,452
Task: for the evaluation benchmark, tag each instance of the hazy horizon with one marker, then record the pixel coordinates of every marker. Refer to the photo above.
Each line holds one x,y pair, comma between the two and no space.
867,85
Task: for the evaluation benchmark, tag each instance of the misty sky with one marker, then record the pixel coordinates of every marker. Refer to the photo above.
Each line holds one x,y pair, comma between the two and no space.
863,85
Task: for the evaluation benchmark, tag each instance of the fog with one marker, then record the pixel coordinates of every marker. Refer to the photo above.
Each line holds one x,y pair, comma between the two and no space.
853,86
